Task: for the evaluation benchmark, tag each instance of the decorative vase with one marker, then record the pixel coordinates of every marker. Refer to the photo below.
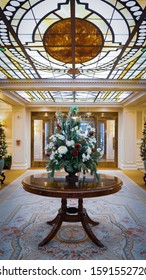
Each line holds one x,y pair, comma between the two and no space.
1,165
144,162
72,177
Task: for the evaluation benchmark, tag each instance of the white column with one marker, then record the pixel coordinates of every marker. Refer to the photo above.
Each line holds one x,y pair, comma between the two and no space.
38,140
20,138
127,135
140,127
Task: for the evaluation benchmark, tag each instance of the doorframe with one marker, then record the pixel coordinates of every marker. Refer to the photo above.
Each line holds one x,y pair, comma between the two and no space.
45,116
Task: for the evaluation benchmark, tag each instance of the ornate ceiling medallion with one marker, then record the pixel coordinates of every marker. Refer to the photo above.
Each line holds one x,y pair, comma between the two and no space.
58,40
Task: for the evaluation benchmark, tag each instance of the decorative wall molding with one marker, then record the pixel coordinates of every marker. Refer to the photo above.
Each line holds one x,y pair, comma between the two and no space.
19,166
128,166
80,84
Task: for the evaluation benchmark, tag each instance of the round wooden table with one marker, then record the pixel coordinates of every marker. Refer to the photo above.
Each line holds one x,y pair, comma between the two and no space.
86,187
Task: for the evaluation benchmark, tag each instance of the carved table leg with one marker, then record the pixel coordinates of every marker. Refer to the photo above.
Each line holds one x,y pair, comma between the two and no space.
85,220
90,232
2,175
53,232
57,221
53,221
89,220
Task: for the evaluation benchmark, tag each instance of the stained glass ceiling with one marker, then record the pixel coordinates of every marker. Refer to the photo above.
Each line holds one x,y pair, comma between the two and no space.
80,96
73,40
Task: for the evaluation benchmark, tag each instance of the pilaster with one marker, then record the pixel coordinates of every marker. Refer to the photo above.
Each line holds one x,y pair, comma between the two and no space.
20,138
128,140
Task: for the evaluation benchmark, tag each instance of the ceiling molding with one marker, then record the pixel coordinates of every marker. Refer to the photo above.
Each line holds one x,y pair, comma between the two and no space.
75,85
11,99
138,99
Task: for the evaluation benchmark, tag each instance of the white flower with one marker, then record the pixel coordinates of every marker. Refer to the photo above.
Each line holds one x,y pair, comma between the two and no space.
75,128
53,138
52,155
70,143
51,145
85,157
89,151
84,135
60,136
62,150
92,140
90,128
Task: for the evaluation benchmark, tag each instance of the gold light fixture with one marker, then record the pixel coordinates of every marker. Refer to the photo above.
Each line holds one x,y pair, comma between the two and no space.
3,123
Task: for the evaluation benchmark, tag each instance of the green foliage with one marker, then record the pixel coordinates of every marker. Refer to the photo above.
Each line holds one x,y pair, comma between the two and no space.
3,146
143,144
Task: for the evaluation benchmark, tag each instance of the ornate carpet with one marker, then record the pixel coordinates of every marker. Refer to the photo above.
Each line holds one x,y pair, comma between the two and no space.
121,216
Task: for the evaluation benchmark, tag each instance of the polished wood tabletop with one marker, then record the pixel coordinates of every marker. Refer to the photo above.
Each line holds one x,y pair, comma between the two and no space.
84,187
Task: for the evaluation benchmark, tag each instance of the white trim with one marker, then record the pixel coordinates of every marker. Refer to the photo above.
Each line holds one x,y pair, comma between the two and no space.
19,166
128,166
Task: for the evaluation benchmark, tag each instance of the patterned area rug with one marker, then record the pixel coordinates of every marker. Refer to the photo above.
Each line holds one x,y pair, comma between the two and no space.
121,216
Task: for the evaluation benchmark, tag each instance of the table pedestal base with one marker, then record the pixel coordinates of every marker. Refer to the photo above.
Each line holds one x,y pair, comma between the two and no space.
72,214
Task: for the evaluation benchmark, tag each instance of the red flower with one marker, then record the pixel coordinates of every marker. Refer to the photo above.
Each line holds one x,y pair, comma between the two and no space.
58,126
75,152
91,133
94,150
77,146
48,153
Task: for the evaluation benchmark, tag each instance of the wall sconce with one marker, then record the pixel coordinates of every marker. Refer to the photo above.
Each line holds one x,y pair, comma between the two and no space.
3,123
18,142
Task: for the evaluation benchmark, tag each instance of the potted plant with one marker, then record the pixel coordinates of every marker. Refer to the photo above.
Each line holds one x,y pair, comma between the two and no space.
3,147
143,146
7,162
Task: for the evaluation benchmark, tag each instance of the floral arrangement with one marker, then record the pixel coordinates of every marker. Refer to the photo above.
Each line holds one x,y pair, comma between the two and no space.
71,148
